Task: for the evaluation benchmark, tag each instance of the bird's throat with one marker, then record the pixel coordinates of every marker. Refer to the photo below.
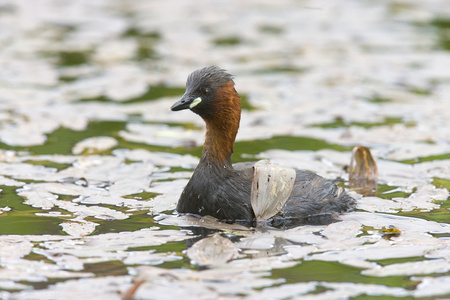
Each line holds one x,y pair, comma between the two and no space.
218,145
222,128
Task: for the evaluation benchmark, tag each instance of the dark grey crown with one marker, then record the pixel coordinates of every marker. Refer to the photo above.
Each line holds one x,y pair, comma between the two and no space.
209,77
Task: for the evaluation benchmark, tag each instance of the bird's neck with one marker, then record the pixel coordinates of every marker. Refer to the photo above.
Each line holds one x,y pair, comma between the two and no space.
222,127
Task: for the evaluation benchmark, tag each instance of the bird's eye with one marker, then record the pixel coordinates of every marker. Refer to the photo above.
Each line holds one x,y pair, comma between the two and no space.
205,91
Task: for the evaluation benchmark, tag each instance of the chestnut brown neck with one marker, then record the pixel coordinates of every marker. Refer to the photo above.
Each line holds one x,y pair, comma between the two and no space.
222,126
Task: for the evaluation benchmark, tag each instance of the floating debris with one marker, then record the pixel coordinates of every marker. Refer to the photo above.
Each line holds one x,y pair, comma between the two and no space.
363,172
212,251
389,232
271,186
129,294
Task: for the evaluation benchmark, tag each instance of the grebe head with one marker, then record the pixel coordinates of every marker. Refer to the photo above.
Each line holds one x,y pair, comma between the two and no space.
202,88
210,93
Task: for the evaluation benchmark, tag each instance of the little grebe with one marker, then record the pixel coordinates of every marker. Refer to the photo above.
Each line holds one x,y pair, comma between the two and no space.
222,190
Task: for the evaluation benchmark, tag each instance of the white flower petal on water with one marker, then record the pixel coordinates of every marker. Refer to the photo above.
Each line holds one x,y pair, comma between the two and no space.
94,144
348,289
114,200
4,209
342,230
377,251
28,171
432,286
12,285
149,258
115,50
170,190
36,271
425,199
297,252
206,222
161,135
78,229
404,224
101,288
112,246
258,241
410,268
235,278
284,291
158,158
29,72
14,248
10,182
38,197
63,260
212,251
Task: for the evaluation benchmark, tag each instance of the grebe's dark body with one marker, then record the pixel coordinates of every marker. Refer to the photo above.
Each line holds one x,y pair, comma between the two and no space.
222,190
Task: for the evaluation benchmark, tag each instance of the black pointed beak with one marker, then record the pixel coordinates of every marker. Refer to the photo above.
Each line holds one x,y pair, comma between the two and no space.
183,103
